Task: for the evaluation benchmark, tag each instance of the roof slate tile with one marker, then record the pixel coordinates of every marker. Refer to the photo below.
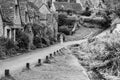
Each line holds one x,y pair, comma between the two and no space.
68,6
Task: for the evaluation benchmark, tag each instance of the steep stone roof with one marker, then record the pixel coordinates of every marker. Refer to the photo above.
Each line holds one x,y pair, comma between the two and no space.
68,6
38,3
7,10
33,5
86,3
36,12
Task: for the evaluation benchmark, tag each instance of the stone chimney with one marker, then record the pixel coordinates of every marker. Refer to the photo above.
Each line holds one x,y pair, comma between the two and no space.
53,1
78,1
16,2
17,19
68,1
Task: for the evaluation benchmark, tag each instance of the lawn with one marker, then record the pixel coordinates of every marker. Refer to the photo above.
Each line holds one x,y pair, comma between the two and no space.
100,56
61,67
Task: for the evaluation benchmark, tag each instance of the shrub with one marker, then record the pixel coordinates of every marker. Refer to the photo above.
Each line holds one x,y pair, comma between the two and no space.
2,52
45,41
9,44
63,20
22,40
37,42
105,49
50,35
52,40
65,30
7,47
87,12
37,28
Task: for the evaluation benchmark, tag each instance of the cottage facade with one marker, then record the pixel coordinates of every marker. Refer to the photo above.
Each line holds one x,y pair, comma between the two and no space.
10,30
45,11
49,19
66,7
98,4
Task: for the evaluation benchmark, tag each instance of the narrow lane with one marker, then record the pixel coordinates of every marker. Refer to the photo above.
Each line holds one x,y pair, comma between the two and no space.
16,64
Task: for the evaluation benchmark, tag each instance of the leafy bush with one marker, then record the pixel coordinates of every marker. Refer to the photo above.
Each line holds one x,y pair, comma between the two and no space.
62,20
65,30
37,28
37,42
2,52
22,40
7,47
52,40
45,41
87,12
105,49
10,44
50,35
41,42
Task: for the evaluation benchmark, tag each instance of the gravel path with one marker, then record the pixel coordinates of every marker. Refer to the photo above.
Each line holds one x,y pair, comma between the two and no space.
16,64
64,67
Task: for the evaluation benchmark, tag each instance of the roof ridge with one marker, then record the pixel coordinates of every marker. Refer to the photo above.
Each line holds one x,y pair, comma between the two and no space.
33,5
45,5
67,2
68,6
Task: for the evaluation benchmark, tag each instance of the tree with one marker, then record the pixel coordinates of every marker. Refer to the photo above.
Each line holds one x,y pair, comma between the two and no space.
63,20
87,12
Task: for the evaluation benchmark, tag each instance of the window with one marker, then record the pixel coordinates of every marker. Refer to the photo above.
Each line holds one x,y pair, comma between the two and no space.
8,33
49,19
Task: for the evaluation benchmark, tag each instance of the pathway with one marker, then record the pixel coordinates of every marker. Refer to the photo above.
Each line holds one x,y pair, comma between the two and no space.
16,64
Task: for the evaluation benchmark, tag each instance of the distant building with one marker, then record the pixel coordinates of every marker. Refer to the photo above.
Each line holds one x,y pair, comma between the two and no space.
92,4
38,12
38,3
66,7
45,11
32,12
98,4
25,12
49,19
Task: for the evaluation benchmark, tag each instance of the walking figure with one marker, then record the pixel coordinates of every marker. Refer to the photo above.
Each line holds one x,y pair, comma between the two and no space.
61,38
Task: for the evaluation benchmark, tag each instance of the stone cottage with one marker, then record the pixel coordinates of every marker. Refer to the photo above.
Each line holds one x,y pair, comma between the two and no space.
9,27
66,7
98,4
49,20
